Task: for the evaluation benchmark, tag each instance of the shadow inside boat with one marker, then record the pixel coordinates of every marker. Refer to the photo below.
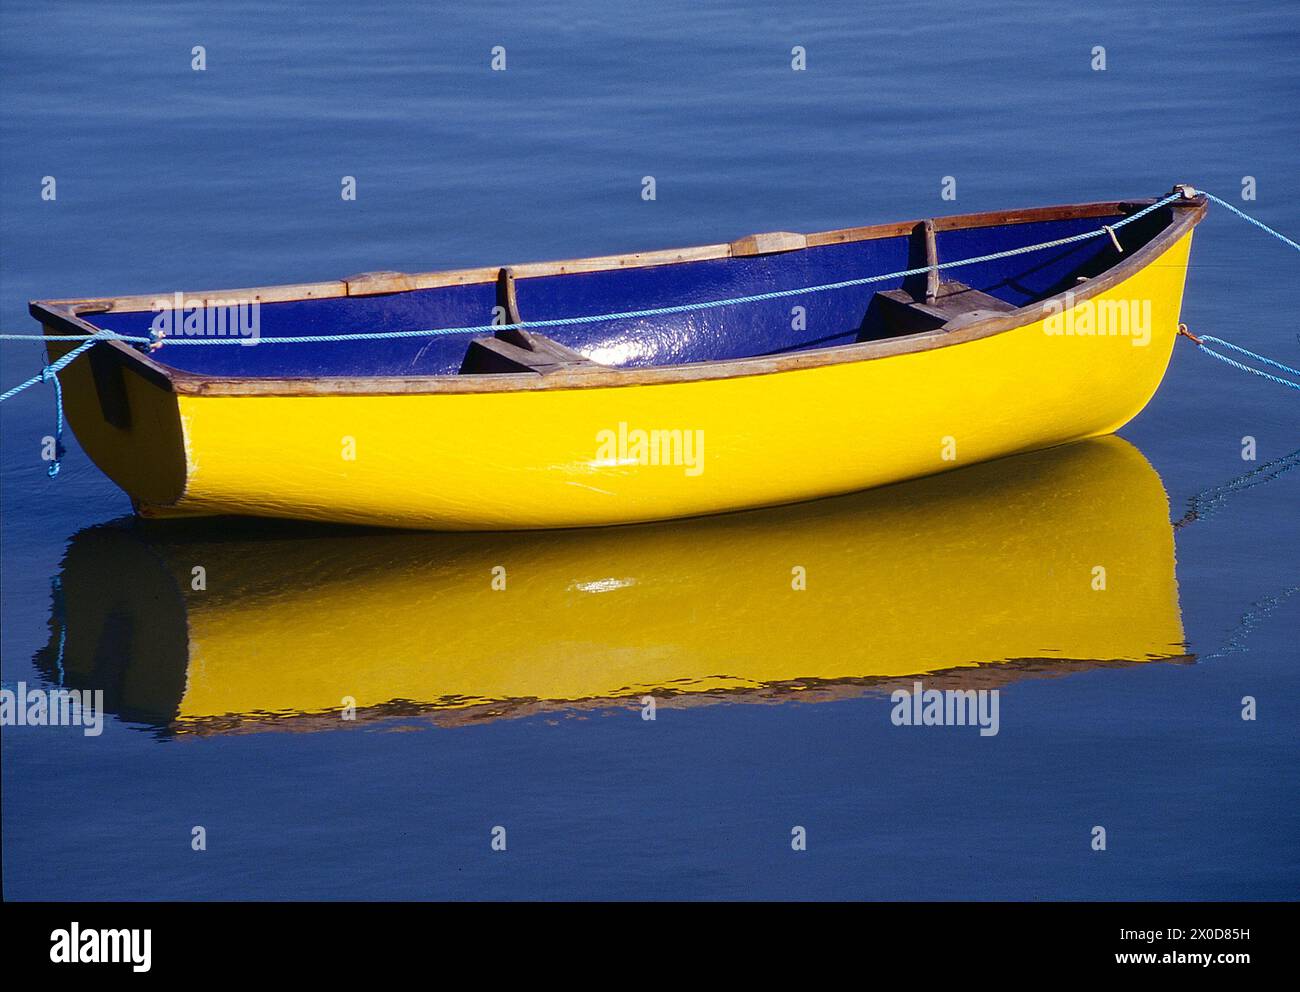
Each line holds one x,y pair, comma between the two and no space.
971,579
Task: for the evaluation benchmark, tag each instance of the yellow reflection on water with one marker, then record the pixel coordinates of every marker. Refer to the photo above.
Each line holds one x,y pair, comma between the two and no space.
971,578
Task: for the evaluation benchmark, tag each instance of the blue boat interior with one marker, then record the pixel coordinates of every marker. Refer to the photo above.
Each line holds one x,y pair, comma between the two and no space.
828,318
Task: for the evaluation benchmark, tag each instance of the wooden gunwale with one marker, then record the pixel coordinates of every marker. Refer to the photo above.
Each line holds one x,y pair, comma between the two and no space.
65,316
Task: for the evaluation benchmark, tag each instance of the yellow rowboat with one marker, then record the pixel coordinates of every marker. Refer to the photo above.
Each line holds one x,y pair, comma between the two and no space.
777,368
971,579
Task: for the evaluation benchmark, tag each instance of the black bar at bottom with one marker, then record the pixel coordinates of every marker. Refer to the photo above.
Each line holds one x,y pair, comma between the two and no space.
337,940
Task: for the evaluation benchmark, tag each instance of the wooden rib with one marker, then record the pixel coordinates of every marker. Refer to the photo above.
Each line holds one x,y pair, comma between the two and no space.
931,258
507,298
922,252
508,301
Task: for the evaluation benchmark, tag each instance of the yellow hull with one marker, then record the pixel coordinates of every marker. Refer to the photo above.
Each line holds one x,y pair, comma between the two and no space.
543,458
985,576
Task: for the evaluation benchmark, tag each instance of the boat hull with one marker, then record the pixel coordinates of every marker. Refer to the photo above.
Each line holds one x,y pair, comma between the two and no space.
575,457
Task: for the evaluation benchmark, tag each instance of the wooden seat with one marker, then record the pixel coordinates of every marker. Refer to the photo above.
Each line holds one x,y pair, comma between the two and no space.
957,298
952,302
491,355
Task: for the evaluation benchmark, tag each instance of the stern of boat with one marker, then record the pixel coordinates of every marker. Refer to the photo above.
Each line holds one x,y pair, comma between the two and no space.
127,421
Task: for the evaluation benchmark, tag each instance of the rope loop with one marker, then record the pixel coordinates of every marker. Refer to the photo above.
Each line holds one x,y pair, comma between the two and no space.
49,375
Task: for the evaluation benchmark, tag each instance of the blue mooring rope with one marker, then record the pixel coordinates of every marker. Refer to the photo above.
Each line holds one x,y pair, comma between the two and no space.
50,372
1199,340
1246,217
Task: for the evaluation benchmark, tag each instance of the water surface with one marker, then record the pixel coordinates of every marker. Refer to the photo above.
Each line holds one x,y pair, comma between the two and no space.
472,714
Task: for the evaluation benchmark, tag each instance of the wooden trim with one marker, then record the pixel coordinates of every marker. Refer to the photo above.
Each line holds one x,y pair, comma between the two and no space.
874,232
373,283
256,294
768,243
62,317
65,319
1033,215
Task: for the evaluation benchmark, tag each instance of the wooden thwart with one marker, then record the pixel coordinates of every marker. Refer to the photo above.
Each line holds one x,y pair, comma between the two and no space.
495,354
954,303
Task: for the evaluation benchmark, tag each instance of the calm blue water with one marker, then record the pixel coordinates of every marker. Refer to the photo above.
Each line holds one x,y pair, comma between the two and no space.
169,178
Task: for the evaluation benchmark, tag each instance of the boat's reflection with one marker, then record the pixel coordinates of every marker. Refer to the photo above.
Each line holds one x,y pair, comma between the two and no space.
974,578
